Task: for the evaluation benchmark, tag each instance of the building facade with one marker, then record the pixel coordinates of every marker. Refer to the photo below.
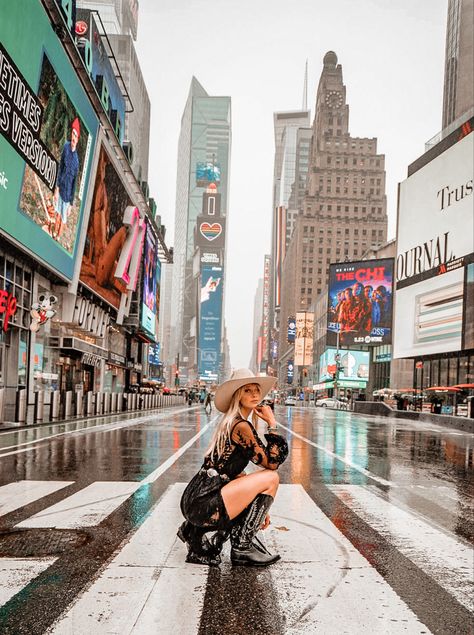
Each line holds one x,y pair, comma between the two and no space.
344,207
203,161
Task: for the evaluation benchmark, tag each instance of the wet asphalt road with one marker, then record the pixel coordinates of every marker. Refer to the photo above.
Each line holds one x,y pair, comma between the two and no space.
388,486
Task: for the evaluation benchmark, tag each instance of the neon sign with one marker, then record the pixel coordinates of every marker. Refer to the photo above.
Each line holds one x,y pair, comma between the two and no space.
7,307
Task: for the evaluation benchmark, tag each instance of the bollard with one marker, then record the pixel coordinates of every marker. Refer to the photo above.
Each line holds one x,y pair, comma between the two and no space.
113,402
108,402
79,403
68,408
90,403
20,406
2,402
39,406
99,397
55,404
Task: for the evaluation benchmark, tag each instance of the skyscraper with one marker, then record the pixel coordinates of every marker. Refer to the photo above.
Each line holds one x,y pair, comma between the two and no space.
203,162
458,94
344,209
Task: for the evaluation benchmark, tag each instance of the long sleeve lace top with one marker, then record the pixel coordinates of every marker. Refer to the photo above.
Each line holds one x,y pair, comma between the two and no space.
244,446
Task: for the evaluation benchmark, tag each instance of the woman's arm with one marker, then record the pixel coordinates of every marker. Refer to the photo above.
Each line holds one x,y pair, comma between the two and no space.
270,456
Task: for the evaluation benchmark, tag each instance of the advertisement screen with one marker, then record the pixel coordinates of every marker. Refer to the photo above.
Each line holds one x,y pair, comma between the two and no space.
90,45
360,302
150,284
435,241
291,330
48,130
108,238
353,365
207,173
210,234
210,324
290,372
468,322
304,339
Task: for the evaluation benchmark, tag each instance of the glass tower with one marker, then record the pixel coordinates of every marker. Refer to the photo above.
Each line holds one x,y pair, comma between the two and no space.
205,138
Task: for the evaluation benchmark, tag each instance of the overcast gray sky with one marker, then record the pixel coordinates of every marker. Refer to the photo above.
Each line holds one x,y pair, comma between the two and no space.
392,56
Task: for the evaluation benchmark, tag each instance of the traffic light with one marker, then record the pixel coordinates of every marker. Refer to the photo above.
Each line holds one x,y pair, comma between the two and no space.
176,378
305,372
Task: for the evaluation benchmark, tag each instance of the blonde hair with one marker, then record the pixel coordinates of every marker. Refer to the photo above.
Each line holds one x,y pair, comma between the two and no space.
223,428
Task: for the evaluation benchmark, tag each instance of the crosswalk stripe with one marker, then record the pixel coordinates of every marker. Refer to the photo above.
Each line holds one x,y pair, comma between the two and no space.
447,560
16,573
21,493
147,587
85,508
323,583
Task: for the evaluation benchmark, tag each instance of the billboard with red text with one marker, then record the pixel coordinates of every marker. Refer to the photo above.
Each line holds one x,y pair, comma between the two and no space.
360,302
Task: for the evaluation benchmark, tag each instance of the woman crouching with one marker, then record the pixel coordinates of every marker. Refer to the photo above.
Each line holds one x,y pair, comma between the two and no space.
221,497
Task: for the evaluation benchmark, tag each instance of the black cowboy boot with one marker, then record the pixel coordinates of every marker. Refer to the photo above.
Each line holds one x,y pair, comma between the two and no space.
244,550
200,550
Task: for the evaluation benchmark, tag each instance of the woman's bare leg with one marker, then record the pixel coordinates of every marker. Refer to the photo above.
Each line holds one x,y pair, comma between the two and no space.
239,493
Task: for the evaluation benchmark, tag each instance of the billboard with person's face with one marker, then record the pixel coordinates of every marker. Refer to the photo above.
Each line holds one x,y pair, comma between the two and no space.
210,323
360,302
115,236
48,130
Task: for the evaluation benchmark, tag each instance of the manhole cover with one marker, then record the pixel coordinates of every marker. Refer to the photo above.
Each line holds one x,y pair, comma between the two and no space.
25,543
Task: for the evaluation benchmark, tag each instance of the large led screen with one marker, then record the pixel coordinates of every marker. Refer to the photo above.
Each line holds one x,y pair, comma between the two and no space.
113,236
210,323
352,365
151,280
435,242
48,130
360,302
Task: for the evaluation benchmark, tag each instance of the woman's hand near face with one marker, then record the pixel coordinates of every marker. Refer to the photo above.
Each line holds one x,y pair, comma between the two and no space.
266,413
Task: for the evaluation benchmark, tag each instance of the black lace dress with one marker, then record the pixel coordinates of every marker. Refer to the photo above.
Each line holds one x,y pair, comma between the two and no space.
202,503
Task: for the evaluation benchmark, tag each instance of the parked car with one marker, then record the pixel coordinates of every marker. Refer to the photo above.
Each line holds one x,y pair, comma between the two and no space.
329,402
290,401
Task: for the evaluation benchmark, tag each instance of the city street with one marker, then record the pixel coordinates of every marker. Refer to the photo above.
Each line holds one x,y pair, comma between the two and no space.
373,521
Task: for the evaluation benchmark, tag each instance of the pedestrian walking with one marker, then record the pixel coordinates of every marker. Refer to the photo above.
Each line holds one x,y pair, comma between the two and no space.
221,497
208,403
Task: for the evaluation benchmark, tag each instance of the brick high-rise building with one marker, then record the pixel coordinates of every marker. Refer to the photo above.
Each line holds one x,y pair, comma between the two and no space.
344,210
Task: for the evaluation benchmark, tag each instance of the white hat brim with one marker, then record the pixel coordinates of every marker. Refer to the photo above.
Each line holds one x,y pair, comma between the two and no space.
225,391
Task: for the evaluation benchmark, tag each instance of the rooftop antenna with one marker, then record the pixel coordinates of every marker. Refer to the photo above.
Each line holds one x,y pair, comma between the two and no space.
305,87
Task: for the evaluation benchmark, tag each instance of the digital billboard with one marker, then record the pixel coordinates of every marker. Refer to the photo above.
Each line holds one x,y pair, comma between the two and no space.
210,322
435,242
304,339
150,287
48,131
291,334
90,45
207,173
115,235
353,365
210,234
468,320
360,302
290,371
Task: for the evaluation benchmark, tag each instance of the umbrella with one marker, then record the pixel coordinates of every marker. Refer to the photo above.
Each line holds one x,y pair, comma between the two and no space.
443,389
464,386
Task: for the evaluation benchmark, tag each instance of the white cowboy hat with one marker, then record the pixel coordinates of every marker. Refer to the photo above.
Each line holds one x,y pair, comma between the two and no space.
239,378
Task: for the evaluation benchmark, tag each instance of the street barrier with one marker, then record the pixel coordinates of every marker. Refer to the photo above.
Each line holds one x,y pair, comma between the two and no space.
39,406
68,408
54,404
90,403
107,399
113,403
20,405
99,403
79,403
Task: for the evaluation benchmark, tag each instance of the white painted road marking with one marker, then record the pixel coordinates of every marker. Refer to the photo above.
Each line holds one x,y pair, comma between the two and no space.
343,459
85,508
16,573
147,587
447,560
323,583
21,493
